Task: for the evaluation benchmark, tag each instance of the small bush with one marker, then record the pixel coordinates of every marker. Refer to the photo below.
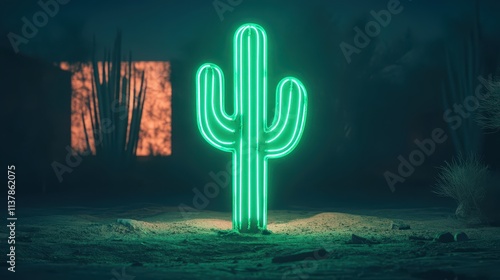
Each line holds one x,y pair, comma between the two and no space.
465,179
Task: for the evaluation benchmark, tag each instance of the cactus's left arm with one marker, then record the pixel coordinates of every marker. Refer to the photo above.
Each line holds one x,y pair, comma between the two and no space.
216,126
289,120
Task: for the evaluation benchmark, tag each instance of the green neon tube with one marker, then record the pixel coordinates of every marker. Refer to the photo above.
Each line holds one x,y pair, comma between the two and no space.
247,133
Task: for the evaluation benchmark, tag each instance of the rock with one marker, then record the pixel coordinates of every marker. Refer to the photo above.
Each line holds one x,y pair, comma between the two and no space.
444,237
266,232
399,225
356,239
461,236
228,233
127,222
132,224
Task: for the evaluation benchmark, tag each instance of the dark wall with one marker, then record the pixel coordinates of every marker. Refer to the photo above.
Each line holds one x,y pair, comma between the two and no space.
35,108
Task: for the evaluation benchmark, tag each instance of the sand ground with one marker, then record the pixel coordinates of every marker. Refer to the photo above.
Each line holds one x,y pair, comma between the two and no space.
157,242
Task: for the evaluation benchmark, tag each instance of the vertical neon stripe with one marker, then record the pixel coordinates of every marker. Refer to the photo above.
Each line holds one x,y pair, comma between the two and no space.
250,117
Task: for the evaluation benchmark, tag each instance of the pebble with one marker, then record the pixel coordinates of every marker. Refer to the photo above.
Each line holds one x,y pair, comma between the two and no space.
461,236
356,239
266,232
444,237
399,225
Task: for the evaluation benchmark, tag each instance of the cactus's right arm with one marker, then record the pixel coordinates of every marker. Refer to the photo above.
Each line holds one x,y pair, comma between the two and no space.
289,119
216,126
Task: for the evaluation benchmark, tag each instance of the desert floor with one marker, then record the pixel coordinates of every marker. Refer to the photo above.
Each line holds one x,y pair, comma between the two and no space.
150,241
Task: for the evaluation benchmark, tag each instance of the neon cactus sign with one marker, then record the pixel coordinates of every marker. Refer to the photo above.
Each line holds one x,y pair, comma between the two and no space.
247,133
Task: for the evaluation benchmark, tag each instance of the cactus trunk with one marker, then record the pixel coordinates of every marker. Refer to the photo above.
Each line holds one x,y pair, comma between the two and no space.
249,212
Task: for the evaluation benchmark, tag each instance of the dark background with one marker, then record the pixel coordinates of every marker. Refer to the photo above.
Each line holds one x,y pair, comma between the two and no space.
362,115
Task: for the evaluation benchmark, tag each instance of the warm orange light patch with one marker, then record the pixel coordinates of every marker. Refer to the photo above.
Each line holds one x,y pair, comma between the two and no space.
155,135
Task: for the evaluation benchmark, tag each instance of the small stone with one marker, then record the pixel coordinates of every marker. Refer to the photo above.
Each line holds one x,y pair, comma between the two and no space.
130,223
444,237
228,233
461,236
399,225
356,239
266,232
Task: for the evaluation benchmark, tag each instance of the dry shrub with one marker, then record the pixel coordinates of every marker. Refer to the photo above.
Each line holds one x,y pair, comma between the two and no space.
466,180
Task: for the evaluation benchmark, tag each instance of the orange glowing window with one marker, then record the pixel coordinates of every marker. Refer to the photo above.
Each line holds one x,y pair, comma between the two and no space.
155,127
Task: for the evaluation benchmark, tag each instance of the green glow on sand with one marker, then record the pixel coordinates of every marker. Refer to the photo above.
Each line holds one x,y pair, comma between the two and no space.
246,133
